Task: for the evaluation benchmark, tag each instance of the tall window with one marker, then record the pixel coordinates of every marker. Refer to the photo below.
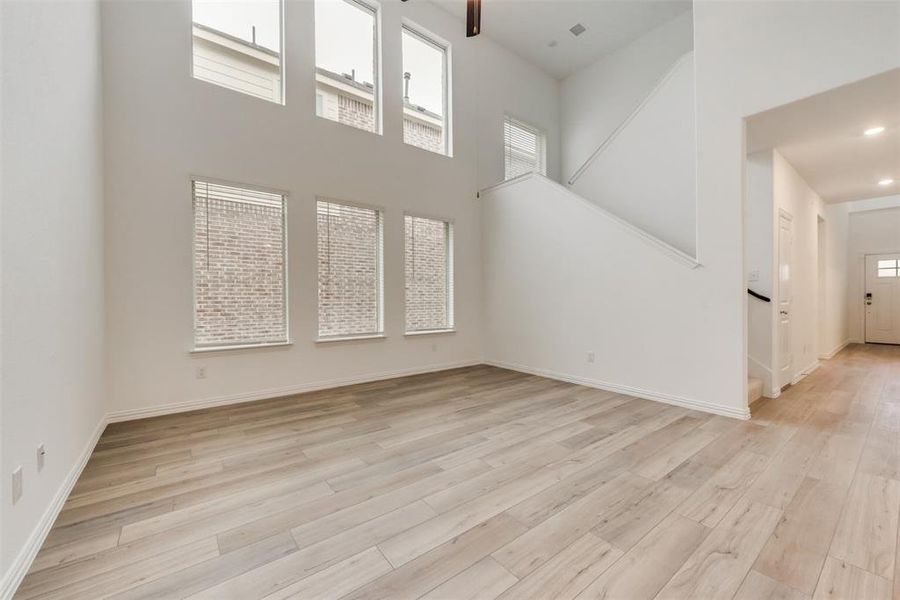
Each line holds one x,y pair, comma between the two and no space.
524,148
426,91
239,266
237,44
429,274
350,271
347,63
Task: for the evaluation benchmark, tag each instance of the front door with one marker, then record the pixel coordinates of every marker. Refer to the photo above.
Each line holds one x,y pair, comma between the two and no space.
785,296
883,298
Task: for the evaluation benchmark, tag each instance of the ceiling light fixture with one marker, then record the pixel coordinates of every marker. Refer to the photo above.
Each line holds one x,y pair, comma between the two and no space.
873,131
886,182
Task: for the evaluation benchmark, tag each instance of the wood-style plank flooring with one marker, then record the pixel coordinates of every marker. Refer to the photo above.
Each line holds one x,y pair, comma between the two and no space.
485,483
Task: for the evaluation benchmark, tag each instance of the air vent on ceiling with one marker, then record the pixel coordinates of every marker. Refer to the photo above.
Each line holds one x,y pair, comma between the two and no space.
577,29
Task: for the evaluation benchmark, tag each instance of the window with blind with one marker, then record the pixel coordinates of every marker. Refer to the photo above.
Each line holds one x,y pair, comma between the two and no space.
523,148
429,274
426,90
350,270
239,266
237,45
347,72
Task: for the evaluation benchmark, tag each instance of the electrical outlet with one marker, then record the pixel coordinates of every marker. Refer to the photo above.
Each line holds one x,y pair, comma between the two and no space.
17,484
590,357
41,454
201,372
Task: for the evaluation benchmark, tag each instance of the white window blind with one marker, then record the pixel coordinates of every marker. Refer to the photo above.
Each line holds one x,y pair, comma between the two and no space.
350,272
239,266
237,45
523,148
429,274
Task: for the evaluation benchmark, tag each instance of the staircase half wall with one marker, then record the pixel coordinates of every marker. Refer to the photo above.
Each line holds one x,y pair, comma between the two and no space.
575,293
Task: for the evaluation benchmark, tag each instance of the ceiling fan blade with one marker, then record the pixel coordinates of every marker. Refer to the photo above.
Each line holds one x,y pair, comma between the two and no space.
473,18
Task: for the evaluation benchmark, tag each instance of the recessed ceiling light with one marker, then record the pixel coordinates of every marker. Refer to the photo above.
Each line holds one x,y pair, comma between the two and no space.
886,182
873,131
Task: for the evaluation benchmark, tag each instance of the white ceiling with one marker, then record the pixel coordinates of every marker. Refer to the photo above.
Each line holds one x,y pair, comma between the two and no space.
527,27
822,137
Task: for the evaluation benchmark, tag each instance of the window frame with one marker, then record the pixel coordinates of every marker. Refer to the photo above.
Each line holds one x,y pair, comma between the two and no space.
541,139
281,62
427,37
288,339
451,275
379,269
377,74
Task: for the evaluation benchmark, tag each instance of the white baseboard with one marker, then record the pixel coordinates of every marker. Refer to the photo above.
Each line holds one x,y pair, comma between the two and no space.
22,562
266,394
802,374
701,405
833,352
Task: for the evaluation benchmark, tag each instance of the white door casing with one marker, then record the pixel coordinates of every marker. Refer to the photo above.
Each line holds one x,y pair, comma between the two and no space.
785,297
882,298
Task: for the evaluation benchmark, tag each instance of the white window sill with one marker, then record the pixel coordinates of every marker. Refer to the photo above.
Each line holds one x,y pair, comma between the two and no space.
203,350
430,332
350,338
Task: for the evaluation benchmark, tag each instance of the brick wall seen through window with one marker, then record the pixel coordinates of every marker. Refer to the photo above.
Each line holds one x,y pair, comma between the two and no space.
429,274
349,240
239,266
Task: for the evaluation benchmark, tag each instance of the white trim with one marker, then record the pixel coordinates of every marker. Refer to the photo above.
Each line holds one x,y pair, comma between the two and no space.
350,338
22,562
834,351
672,251
693,404
268,394
202,350
430,332
806,371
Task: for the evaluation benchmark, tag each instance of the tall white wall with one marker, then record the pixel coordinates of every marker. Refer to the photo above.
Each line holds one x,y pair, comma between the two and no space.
596,99
51,330
162,126
835,328
873,230
749,57
564,279
653,185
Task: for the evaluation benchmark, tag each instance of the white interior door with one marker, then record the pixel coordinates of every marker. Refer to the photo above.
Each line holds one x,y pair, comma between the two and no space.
785,296
883,298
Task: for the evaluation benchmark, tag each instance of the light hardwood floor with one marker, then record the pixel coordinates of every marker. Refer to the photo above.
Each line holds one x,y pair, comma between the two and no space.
485,483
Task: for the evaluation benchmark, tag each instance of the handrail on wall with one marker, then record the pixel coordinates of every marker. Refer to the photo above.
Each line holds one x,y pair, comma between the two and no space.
615,133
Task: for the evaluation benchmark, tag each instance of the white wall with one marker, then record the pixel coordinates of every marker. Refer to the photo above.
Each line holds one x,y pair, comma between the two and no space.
872,231
596,99
749,57
52,259
162,127
653,185
564,279
759,257
835,331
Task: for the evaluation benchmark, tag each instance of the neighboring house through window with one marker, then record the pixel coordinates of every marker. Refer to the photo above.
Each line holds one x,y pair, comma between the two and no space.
349,240
239,266
237,45
426,90
524,148
429,274
347,70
